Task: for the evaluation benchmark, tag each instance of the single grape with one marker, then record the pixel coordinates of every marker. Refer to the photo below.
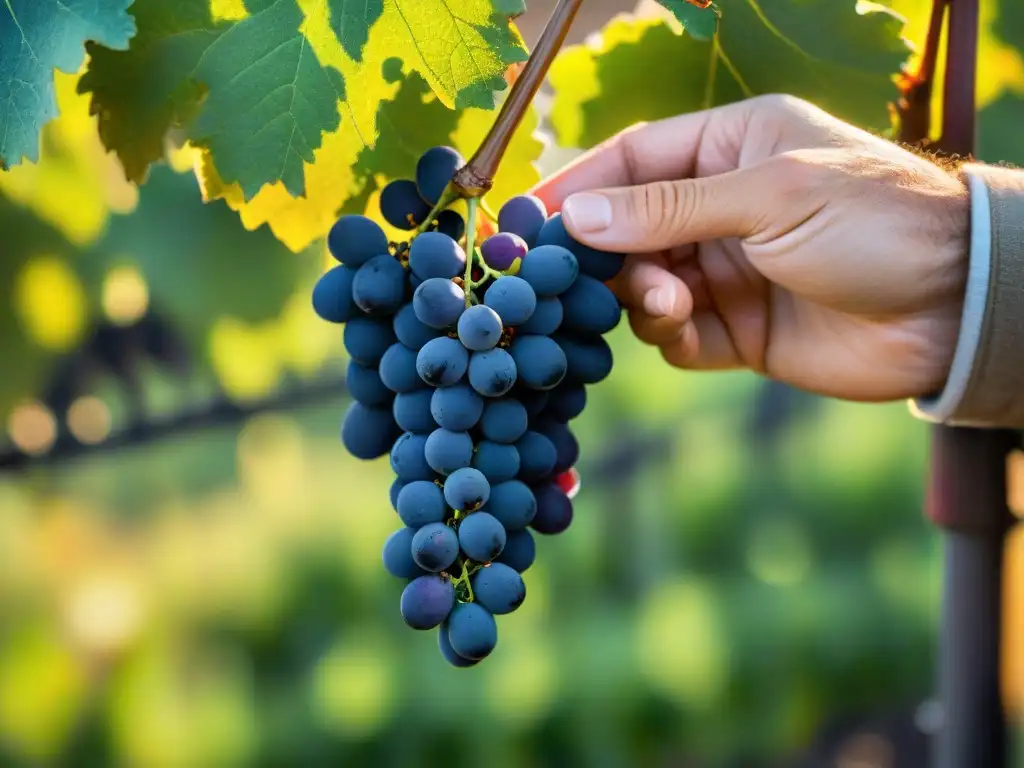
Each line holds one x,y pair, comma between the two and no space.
537,456
379,286
421,502
524,215
554,510
512,298
434,254
367,433
589,359
411,411
567,401
449,654
504,251
569,482
492,373
396,488
479,328
438,302
549,269
364,385
466,489
546,318
457,408
481,537
354,240
448,451
410,331
504,421
402,206
434,170
452,224
435,547
427,601
498,588
497,461
398,369
397,555
539,360
520,550
408,460
567,449
513,504
533,400
472,631
590,307
601,265
332,295
442,362
367,339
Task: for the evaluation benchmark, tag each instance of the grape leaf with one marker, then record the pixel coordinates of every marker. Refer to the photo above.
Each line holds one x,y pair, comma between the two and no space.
251,90
36,37
999,135
352,20
699,23
848,72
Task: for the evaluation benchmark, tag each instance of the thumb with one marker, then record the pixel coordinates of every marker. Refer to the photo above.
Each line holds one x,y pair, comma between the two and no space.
663,214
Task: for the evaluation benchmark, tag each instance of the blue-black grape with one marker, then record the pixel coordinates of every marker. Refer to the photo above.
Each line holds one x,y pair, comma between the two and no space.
512,298
492,373
549,269
449,654
546,318
398,369
503,251
590,307
537,456
367,433
402,206
411,411
567,449
479,328
354,240
427,601
378,287
523,215
520,550
410,330
442,362
421,502
457,408
498,462
448,451
466,489
367,339
397,555
601,265
498,588
408,460
438,302
513,504
472,631
554,510
481,537
435,547
589,358
540,362
365,385
396,488
567,401
504,421
434,170
332,295
533,400
434,254
452,224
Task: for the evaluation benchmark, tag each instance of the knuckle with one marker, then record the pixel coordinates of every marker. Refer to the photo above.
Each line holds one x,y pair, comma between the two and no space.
664,206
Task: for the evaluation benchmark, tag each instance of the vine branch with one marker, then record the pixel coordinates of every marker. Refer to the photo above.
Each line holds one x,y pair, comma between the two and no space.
914,106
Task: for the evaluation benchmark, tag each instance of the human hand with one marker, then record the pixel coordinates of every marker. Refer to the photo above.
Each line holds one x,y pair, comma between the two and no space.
769,235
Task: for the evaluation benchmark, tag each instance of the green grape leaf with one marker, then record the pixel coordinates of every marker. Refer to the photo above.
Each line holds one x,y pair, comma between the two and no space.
252,91
352,20
699,23
999,136
762,46
36,37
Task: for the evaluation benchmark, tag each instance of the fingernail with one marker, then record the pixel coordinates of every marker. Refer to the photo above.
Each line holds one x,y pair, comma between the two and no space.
587,212
658,302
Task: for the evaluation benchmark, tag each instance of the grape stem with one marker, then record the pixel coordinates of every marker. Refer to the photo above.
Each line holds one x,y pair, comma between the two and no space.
487,211
467,280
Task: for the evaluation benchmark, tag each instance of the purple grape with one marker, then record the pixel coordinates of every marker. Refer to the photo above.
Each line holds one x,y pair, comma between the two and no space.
501,251
524,215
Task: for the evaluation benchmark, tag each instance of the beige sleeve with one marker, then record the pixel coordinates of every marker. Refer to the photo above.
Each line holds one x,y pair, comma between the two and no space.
986,383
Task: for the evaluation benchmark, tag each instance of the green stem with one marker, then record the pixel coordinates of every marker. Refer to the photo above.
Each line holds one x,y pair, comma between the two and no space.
449,196
467,280
487,211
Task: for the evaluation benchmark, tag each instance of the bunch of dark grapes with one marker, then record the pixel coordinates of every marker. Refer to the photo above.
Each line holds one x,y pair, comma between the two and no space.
468,373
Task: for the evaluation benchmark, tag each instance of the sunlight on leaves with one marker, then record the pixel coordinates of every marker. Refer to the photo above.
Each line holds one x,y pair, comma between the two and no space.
50,302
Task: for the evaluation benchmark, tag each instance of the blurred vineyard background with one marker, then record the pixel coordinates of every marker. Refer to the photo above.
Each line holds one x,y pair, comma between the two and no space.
189,562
